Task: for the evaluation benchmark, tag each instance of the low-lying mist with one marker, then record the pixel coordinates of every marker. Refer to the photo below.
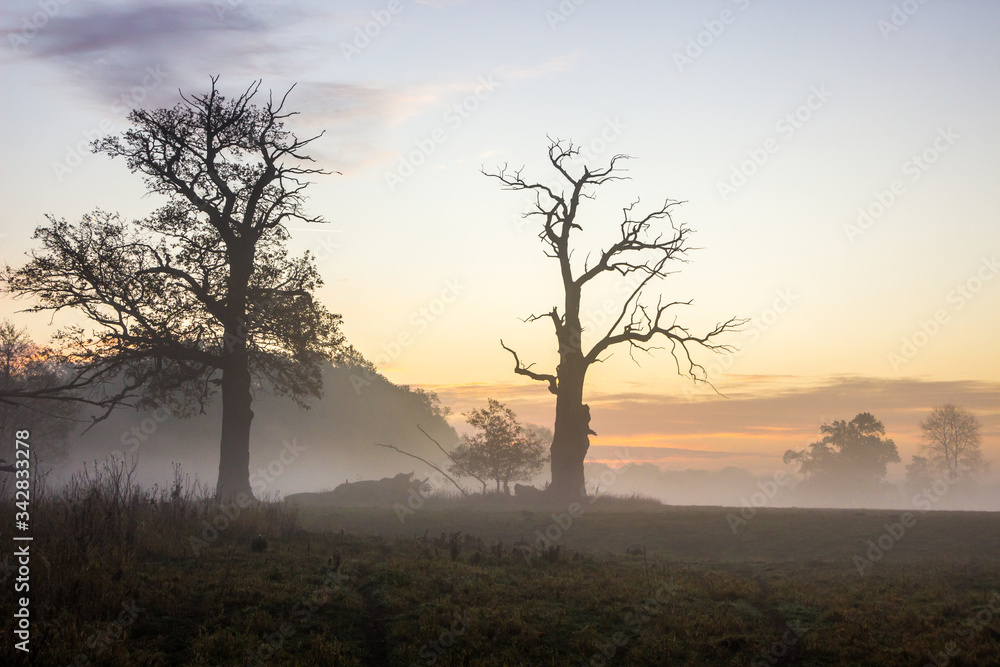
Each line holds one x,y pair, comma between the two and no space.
295,451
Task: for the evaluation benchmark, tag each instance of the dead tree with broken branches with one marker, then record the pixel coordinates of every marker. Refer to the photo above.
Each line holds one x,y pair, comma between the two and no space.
648,246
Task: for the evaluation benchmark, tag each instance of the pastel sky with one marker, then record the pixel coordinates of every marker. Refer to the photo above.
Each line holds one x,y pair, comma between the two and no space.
839,161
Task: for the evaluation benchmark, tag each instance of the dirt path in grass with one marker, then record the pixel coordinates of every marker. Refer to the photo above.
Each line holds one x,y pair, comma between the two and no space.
785,650
376,640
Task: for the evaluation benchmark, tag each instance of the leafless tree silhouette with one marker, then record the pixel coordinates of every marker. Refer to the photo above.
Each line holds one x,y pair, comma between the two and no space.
643,254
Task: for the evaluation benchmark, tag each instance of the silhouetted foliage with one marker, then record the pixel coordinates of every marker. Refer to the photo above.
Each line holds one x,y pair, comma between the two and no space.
852,457
503,450
202,294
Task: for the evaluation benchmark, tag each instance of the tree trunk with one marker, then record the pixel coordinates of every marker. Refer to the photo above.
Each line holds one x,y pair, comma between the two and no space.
237,401
237,415
570,440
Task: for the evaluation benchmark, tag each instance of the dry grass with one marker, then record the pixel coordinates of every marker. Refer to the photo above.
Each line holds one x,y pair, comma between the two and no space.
119,577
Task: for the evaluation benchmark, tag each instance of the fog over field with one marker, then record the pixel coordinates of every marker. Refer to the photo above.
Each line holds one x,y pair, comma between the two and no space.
453,332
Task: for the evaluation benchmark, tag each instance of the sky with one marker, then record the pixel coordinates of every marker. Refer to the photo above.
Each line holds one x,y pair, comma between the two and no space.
838,161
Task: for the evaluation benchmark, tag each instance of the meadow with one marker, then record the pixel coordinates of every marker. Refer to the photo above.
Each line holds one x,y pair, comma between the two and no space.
125,576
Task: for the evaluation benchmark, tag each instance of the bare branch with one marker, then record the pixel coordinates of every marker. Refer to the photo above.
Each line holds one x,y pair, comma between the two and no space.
450,458
414,456
527,372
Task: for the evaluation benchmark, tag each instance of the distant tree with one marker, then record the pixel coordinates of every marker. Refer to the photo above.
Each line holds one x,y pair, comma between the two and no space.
25,371
543,433
920,474
642,253
201,296
503,450
852,457
952,441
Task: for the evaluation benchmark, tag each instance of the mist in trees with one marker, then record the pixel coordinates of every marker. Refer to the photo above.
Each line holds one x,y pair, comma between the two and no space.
849,462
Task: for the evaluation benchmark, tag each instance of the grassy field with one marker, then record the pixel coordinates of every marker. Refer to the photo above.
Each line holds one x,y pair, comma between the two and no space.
125,577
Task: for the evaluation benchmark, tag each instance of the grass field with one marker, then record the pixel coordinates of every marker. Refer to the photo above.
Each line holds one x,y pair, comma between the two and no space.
125,577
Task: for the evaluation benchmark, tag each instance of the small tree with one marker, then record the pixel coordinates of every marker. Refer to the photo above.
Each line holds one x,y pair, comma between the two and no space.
852,457
26,371
951,441
504,449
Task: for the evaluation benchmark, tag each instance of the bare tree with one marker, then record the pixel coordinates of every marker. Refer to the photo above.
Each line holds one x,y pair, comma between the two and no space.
951,440
641,255
201,295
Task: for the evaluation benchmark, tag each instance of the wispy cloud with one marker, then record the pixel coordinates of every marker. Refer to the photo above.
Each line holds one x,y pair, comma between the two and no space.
760,426
555,65
104,49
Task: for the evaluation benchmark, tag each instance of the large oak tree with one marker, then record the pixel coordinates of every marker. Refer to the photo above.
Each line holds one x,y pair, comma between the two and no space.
201,295
643,254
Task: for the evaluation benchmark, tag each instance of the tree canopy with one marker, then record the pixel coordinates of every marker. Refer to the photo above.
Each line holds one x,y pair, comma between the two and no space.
201,295
851,455
503,449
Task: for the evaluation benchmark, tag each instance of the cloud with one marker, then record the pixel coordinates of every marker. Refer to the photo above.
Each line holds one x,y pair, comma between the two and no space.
119,56
554,65
106,50
650,454
760,426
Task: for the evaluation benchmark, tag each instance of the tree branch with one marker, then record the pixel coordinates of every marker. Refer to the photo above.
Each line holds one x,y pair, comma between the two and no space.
526,371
